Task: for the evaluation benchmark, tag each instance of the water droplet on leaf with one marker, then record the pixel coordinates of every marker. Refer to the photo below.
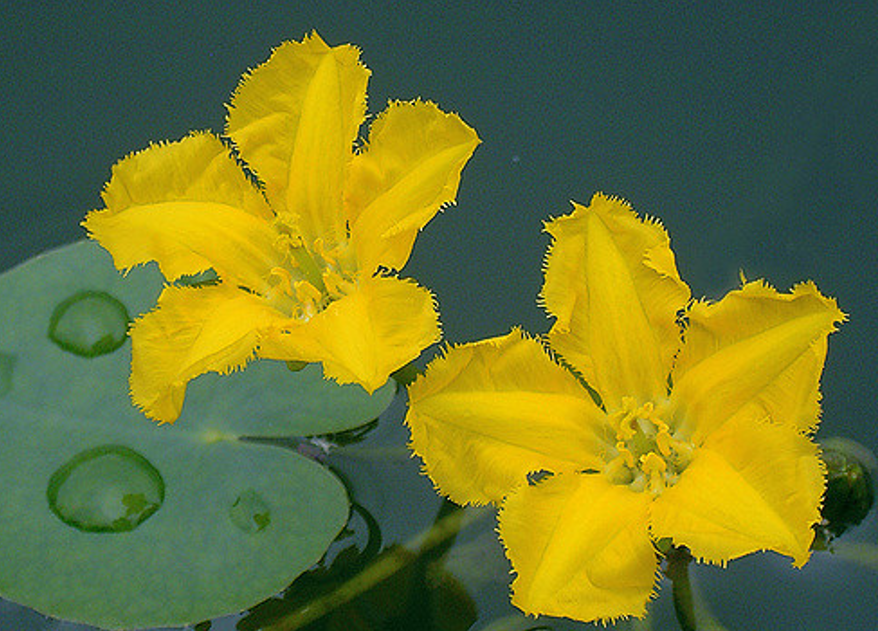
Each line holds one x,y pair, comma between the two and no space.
7,367
89,323
110,488
250,513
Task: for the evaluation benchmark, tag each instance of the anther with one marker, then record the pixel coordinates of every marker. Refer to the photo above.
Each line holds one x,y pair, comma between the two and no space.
626,454
663,441
285,279
333,283
306,292
654,466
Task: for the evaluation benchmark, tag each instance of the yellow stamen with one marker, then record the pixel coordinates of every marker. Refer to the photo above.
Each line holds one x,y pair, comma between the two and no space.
647,456
653,463
307,293
285,279
654,466
663,441
625,454
333,282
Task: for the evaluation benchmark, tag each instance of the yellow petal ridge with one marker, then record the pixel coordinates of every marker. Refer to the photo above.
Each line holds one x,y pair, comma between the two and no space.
613,287
192,331
364,336
580,548
188,206
754,485
407,172
756,347
487,414
295,119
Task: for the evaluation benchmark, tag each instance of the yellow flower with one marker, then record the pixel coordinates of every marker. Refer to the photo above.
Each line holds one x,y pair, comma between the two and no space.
305,259
697,434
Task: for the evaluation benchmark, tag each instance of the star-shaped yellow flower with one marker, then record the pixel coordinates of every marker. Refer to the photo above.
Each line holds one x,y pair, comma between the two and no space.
692,428
305,258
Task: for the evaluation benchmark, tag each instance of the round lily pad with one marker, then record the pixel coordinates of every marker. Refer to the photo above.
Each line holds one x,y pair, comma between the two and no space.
109,519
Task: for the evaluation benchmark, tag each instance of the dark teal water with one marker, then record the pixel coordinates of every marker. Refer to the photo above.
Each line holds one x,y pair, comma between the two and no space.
749,131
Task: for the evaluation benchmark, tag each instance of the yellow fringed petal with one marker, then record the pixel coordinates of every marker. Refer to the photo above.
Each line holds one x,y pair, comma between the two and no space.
188,206
613,285
192,331
364,336
295,119
754,485
755,347
580,547
488,414
409,170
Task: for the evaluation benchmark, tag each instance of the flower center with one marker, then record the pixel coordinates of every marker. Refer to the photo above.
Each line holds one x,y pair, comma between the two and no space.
310,277
647,456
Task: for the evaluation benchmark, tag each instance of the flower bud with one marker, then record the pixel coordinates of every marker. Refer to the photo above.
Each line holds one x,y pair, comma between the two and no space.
850,493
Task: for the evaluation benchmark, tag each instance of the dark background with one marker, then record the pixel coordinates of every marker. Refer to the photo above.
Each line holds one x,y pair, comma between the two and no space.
749,130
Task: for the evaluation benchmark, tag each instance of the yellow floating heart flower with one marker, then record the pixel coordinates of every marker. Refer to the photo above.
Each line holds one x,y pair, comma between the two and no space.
694,424
306,259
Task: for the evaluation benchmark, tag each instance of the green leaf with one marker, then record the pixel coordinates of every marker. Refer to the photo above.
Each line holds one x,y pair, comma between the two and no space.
109,519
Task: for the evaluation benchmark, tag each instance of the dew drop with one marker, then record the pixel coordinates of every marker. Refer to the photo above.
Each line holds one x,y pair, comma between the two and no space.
7,367
250,513
89,323
110,488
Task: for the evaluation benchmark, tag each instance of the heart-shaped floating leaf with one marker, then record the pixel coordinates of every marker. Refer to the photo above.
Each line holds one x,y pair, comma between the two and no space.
109,519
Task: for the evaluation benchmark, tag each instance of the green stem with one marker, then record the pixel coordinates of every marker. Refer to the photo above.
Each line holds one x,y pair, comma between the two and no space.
677,570
382,568
862,553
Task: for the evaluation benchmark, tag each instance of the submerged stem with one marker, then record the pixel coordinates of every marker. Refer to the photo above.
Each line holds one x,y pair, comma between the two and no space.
677,570
440,532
